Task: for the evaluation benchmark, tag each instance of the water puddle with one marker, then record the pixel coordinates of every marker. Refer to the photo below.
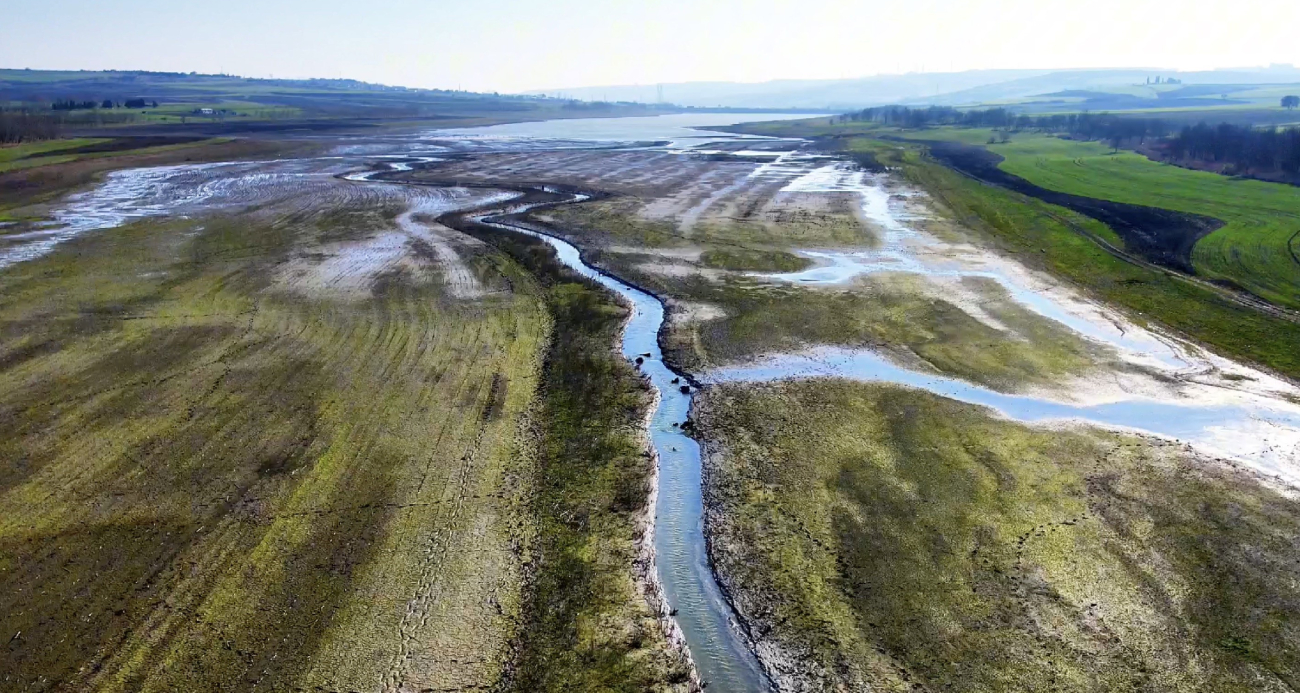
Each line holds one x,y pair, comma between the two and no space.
1251,423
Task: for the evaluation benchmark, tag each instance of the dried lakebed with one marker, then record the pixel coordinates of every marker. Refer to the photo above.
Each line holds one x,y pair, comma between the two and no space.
1221,416
1269,427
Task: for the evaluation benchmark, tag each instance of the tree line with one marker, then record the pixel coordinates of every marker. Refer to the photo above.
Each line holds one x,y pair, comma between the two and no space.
24,126
1091,126
86,105
1240,149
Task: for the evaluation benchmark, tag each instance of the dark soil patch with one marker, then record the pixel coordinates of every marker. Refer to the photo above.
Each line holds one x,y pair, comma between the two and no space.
119,144
1161,236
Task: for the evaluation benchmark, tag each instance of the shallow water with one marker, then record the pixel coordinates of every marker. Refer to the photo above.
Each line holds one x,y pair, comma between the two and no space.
1259,430
1263,436
679,131
905,250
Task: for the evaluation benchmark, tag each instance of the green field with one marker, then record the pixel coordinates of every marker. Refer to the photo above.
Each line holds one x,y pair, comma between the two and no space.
1256,249
50,153
1057,240
891,540
10,153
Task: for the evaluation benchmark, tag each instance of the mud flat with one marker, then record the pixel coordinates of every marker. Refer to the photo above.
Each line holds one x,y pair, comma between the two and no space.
1242,423
923,464
216,430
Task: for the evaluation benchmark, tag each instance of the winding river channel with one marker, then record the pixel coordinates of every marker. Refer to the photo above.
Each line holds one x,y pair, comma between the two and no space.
722,656
1259,426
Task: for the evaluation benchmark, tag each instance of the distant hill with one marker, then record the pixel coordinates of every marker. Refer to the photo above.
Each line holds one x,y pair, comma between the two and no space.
114,98
952,88
830,94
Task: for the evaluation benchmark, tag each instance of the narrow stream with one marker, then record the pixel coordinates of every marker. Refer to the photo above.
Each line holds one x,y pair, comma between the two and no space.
721,652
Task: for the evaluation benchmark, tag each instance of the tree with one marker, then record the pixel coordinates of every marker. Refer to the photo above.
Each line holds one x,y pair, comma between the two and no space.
108,103
1291,102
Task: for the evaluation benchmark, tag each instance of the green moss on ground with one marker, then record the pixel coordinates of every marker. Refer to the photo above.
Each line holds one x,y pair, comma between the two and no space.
746,260
215,478
887,537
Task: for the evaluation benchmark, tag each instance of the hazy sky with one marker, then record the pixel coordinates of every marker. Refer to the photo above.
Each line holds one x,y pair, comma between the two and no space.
513,45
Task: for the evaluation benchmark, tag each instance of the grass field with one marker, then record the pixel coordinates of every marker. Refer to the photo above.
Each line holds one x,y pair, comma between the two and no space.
1256,249
65,151
10,153
887,538
1042,235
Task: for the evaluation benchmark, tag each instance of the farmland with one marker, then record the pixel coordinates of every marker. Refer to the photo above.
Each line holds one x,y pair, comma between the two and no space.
1255,249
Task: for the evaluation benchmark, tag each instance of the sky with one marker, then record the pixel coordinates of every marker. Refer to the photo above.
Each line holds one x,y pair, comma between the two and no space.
513,45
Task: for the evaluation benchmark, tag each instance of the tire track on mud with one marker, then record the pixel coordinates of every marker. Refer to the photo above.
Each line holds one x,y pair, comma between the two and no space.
416,617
